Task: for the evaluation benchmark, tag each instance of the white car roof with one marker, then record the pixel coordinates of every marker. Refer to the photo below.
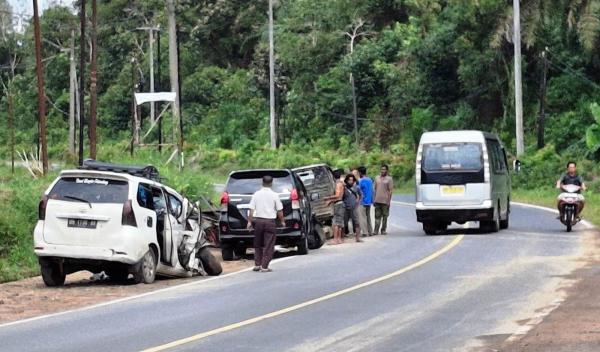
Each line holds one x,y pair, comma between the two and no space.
455,137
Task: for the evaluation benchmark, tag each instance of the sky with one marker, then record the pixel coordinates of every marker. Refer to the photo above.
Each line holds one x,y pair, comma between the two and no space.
26,6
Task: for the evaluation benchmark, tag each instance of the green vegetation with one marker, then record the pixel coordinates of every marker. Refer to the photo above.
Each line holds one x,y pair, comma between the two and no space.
417,66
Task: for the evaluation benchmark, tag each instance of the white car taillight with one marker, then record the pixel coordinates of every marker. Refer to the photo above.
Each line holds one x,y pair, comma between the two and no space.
128,216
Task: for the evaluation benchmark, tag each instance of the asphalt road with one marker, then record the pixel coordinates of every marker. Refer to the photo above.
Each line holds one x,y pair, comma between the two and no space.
446,293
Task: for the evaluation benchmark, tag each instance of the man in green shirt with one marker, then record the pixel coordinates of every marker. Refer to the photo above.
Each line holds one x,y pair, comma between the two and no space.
384,188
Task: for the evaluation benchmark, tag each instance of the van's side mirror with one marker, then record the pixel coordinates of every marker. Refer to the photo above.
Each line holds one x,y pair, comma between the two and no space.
517,165
314,196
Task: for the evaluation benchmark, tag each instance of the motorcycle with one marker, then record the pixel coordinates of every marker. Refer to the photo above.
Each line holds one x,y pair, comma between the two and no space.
570,204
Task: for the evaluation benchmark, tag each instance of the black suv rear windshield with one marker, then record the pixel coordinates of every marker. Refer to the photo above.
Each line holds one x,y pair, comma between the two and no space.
248,182
452,156
93,190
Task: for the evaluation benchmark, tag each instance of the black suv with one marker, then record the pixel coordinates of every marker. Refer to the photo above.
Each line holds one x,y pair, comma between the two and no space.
241,185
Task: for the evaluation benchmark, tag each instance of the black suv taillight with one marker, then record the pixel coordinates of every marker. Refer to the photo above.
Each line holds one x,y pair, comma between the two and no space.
128,217
42,208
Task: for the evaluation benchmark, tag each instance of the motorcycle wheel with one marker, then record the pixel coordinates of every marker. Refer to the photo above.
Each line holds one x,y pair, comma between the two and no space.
569,218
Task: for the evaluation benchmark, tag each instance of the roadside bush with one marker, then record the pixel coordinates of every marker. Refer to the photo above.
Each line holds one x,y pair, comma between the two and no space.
19,198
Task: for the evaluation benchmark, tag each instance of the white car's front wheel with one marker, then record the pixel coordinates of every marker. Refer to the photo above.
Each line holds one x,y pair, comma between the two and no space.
145,270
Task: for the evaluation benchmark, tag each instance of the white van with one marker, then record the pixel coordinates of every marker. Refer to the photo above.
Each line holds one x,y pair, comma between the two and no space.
462,176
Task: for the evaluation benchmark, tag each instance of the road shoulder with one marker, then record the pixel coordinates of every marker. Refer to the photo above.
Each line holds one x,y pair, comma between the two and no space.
574,325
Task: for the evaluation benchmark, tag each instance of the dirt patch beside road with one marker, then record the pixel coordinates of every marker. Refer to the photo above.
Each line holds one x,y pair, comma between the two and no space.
575,324
30,297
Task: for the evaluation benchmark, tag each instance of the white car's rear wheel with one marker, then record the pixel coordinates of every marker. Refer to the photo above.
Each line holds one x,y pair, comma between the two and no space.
145,270
52,273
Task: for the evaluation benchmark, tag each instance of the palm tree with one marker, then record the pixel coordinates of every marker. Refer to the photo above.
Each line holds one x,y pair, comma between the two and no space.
582,16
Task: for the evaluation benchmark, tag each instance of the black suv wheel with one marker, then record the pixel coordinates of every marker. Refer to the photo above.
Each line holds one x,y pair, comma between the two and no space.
227,251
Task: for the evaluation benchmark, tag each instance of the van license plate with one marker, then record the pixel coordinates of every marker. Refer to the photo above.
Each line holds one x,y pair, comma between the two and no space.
82,223
452,190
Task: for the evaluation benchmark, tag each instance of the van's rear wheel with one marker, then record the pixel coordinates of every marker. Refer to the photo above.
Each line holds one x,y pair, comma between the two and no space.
493,225
145,270
432,229
52,273
210,263
506,222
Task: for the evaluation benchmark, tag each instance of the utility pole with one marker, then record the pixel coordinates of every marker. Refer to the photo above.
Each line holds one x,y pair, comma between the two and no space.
41,94
72,93
81,79
542,118
93,85
518,84
11,127
174,70
180,142
354,109
273,117
159,89
133,106
151,31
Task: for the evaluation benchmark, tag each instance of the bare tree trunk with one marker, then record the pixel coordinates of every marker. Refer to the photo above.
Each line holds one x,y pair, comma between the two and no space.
93,85
41,92
356,33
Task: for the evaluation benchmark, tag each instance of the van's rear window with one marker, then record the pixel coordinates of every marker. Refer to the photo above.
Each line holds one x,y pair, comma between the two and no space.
452,157
90,189
249,182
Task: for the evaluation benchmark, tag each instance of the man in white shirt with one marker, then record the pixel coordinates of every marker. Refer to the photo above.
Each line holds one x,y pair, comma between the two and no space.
265,207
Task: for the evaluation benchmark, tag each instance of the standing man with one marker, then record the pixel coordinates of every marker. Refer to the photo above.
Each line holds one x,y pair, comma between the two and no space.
338,207
366,186
352,198
265,207
384,188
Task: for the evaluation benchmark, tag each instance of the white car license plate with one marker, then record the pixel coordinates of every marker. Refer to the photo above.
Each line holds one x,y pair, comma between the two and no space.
452,190
82,223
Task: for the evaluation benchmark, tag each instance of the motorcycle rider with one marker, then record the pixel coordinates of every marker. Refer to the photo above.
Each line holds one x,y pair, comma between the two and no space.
571,178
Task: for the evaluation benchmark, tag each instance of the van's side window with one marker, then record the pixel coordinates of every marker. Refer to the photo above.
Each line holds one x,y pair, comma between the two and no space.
144,196
497,156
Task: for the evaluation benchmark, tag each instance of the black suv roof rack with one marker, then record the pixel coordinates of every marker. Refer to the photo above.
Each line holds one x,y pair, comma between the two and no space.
149,171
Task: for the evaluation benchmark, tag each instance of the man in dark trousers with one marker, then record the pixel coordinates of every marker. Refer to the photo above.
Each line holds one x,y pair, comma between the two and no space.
265,208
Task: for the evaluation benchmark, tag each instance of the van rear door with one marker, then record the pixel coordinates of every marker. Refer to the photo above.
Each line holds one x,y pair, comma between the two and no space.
85,211
453,174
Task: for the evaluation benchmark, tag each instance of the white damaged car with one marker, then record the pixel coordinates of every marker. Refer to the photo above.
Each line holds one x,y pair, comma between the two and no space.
120,220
